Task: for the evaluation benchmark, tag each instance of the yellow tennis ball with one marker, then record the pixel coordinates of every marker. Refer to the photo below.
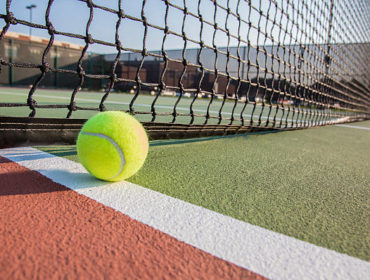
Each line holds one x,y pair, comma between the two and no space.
112,146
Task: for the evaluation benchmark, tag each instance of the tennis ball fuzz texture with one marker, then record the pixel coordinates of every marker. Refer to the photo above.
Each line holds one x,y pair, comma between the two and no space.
112,146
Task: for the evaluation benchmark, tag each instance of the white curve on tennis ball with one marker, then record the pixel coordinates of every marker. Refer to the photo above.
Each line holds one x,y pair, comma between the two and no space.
123,160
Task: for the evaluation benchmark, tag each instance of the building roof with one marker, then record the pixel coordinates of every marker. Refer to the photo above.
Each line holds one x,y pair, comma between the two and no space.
42,40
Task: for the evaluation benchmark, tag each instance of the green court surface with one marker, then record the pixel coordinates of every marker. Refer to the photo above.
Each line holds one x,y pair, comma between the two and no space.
310,184
143,104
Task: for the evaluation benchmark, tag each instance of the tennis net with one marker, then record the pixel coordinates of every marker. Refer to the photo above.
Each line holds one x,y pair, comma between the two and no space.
189,68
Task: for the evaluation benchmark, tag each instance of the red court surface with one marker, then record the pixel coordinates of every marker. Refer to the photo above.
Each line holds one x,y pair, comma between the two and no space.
51,232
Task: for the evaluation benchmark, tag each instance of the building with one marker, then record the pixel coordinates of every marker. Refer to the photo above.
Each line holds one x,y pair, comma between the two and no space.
285,73
275,73
28,50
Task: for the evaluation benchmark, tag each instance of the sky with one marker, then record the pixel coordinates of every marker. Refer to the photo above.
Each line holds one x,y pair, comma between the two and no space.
72,16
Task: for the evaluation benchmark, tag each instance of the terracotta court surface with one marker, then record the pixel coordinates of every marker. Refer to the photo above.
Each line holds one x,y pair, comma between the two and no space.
59,232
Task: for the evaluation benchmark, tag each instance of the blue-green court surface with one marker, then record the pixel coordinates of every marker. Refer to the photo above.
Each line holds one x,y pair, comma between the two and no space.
309,184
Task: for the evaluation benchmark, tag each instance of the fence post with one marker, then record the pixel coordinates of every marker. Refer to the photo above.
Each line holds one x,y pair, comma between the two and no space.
11,56
56,62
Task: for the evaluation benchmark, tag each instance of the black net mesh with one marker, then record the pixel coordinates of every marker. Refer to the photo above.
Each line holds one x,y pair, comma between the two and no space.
220,65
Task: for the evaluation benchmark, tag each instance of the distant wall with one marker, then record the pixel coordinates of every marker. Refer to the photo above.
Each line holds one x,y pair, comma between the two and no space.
19,48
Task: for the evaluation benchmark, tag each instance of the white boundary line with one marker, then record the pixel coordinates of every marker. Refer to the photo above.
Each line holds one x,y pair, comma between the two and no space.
185,109
136,104
179,108
353,126
268,253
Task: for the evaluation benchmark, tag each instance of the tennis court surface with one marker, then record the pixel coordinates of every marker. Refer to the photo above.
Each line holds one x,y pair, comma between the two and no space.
281,205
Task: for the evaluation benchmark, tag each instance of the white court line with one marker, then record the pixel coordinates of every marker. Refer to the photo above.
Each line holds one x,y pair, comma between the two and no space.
268,253
353,126
255,116
143,105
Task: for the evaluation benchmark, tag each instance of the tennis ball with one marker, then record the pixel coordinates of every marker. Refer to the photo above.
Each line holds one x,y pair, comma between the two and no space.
112,146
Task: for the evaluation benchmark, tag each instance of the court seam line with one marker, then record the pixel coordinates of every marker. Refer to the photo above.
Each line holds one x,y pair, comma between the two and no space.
265,252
